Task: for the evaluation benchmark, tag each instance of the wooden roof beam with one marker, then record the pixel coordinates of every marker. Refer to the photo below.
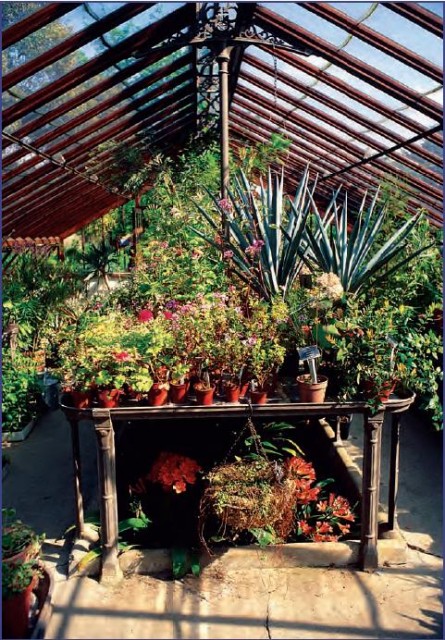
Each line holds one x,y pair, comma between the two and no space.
417,14
52,11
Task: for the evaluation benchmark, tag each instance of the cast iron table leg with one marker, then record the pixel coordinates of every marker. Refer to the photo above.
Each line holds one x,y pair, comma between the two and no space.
368,558
77,481
394,470
106,462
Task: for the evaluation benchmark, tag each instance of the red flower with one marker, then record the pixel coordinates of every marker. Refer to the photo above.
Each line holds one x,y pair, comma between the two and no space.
145,315
168,315
173,471
123,356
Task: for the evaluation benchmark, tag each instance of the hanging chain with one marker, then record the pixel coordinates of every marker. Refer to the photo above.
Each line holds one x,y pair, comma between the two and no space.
260,451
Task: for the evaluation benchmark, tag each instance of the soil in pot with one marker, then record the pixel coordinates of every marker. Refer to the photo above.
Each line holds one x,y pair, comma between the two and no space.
310,391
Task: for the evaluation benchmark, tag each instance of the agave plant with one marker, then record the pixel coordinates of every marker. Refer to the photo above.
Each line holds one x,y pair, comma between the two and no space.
266,241
355,255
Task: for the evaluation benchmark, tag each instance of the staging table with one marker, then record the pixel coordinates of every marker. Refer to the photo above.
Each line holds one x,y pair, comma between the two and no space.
105,438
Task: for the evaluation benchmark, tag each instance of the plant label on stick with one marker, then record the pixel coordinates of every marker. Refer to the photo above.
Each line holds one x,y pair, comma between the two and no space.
309,354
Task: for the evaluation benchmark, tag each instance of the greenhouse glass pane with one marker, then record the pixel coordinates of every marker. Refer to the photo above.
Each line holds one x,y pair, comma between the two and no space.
54,71
389,66
434,7
364,87
407,34
46,38
355,10
14,12
307,20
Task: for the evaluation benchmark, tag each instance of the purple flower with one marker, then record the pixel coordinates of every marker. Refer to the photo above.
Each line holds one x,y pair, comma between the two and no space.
171,304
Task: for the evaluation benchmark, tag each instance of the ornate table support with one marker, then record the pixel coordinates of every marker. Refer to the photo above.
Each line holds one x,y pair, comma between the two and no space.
106,463
77,479
368,558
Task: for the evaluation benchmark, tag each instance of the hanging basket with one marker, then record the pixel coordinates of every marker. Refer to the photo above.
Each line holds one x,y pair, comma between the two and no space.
248,494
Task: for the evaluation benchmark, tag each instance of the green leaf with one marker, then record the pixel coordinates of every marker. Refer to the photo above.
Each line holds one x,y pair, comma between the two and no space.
180,563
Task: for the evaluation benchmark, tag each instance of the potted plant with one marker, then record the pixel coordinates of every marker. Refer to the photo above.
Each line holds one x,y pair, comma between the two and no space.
179,383
266,355
20,570
20,543
204,389
18,582
366,350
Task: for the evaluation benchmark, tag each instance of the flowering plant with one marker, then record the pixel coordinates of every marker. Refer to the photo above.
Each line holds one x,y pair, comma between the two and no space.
174,471
325,520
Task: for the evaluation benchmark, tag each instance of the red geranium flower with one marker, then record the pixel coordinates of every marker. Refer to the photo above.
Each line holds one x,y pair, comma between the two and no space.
145,315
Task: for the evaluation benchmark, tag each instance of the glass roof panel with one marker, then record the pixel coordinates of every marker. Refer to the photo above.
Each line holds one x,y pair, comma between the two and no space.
309,21
407,33
13,12
434,7
45,38
355,10
389,66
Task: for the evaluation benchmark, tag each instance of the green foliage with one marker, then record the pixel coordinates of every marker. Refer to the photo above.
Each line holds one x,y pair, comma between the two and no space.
34,290
16,578
183,561
264,248
271,440
355,255
129,525
21,392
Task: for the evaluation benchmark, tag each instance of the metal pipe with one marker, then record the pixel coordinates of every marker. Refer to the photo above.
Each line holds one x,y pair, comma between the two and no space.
223,62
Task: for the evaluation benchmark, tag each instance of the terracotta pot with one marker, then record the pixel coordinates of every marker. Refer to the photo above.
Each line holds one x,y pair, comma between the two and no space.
157,396
258,397
15,613
81,399
109,399
370,390
232,392
204,396
244,389
310,392
178,392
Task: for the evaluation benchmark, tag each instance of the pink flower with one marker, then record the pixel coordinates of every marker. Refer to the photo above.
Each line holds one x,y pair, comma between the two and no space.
228,254
168,315
145,315
225,204
123,356
255,247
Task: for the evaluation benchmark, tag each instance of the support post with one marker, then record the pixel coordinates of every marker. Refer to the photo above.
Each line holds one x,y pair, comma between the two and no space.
223,61
394,470
106,463
372,446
